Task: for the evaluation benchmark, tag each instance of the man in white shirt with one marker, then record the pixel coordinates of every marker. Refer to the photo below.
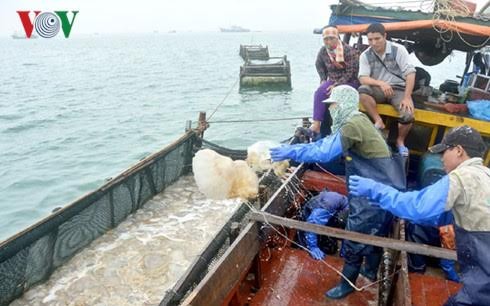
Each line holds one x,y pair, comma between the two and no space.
386,75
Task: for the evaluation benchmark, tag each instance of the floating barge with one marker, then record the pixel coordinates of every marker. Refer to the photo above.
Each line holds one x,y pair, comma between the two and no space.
274,72
254,52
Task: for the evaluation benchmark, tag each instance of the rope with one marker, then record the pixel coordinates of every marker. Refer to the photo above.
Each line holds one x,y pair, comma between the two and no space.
253,209
330,173
224,99
444,10
448,10
256,120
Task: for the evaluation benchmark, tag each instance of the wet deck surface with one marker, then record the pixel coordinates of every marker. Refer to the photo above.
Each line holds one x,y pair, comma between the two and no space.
294,278
428,290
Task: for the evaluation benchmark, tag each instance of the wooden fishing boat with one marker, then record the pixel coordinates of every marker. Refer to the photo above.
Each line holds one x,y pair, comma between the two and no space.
245,262
252,260
31,256
262,266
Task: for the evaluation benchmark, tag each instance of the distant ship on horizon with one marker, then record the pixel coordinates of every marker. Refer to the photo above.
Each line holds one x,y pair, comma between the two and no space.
234,28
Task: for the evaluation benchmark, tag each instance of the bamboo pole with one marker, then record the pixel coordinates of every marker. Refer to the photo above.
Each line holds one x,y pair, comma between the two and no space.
411,247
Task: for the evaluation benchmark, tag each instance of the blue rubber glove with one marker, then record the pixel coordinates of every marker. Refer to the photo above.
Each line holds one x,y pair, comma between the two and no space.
323,150
414,205
312,244
316,253
447,266
317,216
281,153
361,187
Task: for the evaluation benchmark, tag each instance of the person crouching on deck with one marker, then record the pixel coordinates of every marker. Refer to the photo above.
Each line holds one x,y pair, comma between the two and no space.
465,191
367,154
386,75
327,208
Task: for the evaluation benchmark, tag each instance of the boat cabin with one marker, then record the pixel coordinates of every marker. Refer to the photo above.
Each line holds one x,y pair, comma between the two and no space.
431,37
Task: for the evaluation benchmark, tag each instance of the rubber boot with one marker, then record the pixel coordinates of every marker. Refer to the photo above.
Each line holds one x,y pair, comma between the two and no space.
370,268
448,268
343,288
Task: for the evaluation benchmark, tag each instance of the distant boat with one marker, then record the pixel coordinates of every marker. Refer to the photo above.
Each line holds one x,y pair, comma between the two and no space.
22,36
234,28
172,32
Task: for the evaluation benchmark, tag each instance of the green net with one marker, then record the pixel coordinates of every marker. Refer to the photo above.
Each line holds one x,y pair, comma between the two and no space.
32,255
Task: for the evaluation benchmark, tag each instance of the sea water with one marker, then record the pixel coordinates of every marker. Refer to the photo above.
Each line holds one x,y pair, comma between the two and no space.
74,112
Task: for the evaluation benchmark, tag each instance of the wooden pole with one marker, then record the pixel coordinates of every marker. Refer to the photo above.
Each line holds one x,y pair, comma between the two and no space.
306,122
202,124
411,247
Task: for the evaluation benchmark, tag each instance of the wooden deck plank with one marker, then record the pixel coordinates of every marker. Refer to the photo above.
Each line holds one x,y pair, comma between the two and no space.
297,279
429,290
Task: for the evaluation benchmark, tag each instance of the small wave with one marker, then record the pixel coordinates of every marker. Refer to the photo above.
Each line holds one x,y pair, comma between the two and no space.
19,128
29,64
11,117
22,127
151,86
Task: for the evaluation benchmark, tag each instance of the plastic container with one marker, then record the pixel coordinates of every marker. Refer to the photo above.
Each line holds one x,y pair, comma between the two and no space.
431,169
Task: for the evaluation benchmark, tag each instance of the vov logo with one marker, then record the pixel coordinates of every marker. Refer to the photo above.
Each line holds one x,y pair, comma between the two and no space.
47,24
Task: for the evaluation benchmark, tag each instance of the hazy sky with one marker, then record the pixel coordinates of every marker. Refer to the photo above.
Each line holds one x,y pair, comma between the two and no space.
109,16
181,15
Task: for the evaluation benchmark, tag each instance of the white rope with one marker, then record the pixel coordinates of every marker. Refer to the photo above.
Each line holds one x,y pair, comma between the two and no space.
444,10
330,173
253,209
256,120
448,10
224,99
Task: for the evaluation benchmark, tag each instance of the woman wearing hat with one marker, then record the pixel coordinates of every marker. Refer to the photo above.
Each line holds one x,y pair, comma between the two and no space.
336,63
464,191
366,154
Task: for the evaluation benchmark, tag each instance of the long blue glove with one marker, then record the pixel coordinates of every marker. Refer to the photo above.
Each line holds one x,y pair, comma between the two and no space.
413,205
447,266
318,216
440,220
323,150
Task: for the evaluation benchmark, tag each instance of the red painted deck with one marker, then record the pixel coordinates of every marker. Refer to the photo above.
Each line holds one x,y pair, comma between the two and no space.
428,290
294,278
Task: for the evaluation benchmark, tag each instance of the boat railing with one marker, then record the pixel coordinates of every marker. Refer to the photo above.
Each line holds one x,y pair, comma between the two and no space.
230,239
254,52
274,71
430,127
32,255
